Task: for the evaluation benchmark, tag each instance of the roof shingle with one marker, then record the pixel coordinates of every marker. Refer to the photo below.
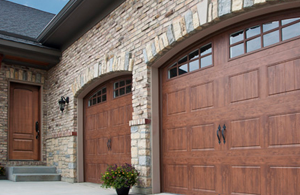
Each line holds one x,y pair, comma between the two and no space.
22,20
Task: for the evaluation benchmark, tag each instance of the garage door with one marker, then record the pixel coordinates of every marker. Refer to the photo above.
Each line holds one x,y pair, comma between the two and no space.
107,111
231,113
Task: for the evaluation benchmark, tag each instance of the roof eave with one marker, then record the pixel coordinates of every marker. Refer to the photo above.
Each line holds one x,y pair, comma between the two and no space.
43,54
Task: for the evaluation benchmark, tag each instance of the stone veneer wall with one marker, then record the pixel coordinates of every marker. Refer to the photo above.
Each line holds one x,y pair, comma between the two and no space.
62,154
131,38
30,76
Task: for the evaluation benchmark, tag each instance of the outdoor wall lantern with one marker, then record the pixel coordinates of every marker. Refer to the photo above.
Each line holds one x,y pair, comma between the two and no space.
62,102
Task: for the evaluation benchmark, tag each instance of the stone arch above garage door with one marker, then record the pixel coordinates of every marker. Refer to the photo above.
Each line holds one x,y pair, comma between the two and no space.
111,64
205,14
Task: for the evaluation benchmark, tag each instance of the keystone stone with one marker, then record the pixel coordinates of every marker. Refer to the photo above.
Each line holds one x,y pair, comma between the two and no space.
248,3
202,11
170,34
189,21
224,7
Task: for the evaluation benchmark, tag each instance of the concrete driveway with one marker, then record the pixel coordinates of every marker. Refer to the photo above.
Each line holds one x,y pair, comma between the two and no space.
53,188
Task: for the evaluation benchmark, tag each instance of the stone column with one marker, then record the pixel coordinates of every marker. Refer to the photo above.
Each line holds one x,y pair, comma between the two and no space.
140,125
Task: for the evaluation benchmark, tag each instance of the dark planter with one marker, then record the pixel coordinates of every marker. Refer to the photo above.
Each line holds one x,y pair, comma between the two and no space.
3,177
123,191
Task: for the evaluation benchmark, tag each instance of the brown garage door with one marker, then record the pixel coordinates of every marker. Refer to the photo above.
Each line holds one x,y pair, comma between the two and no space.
107,111
248,80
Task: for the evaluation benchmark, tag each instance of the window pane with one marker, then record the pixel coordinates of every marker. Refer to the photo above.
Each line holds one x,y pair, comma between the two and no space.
128,89
254,44
128,82
104,90
237,50
95,95
194,54
116,93
183,69
173,65
205,49
122,91
283,22
99,93
270,26
271,38
291,31
182,60
236,37
99,99
90,103
103,98
194,65
250,32
206,61
116,85
94,101
172,73
122,83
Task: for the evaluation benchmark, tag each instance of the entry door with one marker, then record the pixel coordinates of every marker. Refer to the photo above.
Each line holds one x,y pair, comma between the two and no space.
107,112
24,109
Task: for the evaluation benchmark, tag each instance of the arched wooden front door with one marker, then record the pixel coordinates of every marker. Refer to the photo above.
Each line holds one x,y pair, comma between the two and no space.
242,86
107,111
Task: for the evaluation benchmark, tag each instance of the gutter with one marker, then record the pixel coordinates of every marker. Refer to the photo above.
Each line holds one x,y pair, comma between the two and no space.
58,20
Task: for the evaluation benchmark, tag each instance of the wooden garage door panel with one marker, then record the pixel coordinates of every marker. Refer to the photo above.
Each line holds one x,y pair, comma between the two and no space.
244,86
284,77
180,181
102,146
203,178
246,180
118,144
90,122
90,147
101,120
116,117
245,133
91,172
203,137
202,96
101,168
283,181
177,140
176,102
284,130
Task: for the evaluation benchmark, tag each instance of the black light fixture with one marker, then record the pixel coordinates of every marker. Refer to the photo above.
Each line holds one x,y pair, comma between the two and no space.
62,102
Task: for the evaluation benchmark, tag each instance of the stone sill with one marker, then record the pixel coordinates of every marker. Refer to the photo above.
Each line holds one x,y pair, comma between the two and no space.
61,134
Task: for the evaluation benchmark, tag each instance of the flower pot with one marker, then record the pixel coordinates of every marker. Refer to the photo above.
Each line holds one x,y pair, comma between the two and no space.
123,190
3,177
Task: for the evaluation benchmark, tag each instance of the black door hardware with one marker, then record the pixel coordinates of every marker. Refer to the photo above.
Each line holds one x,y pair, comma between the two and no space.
219,138
109,144
223,129
37,130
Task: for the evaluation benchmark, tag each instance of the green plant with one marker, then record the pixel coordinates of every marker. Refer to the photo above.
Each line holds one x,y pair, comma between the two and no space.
2,170
120,176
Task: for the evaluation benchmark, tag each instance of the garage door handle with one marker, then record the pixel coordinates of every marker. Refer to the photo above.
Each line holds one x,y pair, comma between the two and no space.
109,144
219,138
223,129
